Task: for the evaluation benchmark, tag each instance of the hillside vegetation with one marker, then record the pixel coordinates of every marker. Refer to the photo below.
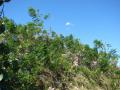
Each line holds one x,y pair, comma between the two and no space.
33,58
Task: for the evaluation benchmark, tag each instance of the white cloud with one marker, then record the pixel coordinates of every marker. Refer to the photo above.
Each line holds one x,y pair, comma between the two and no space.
68,24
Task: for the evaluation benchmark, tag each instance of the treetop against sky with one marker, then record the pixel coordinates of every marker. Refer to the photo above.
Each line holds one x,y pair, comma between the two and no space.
85,19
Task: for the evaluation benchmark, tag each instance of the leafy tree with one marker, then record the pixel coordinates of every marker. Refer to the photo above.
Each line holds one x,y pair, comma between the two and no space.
32,58
2,1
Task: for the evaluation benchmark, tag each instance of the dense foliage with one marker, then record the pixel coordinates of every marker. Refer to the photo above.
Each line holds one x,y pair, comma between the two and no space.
32,58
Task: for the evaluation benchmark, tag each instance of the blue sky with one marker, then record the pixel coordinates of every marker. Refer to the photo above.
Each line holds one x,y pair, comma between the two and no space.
85,19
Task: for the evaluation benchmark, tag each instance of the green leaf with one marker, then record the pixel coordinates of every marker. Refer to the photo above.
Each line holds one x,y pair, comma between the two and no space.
1,77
